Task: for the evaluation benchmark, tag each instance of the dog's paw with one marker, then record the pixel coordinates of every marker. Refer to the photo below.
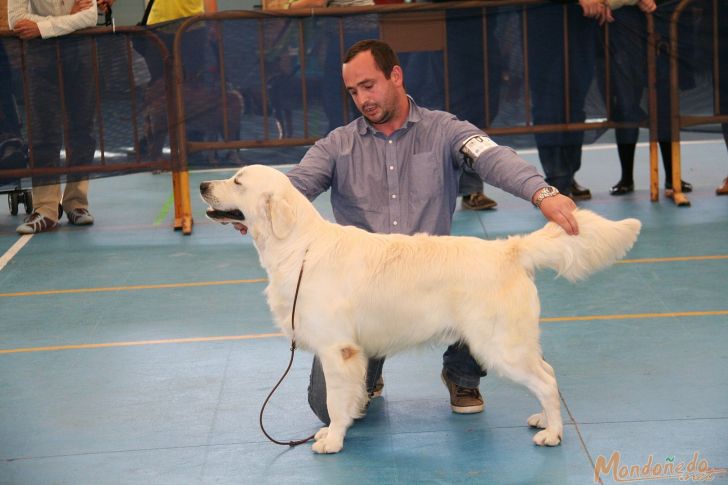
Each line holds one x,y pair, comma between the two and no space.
321,434
547,437
327,443
537,420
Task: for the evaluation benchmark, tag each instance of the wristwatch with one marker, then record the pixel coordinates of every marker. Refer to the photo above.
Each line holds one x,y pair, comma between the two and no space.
543,194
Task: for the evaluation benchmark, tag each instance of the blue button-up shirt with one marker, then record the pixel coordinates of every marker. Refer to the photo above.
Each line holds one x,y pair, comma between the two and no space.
406,182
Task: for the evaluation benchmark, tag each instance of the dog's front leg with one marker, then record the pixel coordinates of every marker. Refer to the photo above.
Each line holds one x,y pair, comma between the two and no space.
344,368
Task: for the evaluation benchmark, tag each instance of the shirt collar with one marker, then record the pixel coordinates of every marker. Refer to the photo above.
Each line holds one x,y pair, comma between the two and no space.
363,126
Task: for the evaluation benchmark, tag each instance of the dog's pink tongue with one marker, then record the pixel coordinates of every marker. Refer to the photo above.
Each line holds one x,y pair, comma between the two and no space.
240,227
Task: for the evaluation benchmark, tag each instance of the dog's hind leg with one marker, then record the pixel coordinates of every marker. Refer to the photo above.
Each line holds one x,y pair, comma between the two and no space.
538,420
534,373
345,372
522,363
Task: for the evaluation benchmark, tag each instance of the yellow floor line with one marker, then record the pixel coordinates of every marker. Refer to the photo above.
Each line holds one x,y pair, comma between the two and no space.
673,259
141,342
628,316
132,288
272,335
263,280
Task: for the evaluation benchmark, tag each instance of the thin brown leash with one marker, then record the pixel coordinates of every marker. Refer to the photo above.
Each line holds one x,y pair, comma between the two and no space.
290,363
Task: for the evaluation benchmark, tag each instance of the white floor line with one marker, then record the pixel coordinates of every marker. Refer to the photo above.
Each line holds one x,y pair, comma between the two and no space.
14,249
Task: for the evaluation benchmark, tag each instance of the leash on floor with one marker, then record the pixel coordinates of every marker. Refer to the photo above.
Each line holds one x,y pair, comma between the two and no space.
290,363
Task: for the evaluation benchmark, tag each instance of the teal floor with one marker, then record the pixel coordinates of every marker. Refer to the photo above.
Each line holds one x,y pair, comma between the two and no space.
131,354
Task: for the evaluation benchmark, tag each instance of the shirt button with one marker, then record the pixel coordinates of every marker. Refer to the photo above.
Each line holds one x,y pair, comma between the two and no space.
394,196
390,142
391,167
394,223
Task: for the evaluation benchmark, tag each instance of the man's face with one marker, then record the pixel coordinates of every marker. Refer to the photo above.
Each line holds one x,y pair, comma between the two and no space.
374,95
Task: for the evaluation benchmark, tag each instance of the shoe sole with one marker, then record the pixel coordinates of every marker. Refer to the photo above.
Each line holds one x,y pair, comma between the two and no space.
479,208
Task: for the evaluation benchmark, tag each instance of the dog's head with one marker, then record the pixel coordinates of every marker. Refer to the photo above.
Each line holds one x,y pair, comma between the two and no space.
257,197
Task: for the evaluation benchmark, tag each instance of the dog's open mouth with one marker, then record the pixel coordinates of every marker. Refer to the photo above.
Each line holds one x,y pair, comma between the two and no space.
226,217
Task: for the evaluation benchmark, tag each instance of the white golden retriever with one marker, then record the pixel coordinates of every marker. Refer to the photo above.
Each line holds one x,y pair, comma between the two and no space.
370,295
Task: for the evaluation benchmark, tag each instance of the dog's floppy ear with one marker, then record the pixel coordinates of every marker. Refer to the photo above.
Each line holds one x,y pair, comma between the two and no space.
280,214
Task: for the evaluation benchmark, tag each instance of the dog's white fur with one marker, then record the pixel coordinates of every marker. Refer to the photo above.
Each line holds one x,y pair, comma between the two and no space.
370,295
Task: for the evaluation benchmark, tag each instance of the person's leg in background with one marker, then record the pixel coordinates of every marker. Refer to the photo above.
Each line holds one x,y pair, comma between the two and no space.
628,76
546,81
46,137
723,52
466,87
582,38
662,18
79,89
471,190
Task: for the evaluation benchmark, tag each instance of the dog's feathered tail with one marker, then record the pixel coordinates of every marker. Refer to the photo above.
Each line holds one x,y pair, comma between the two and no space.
599,244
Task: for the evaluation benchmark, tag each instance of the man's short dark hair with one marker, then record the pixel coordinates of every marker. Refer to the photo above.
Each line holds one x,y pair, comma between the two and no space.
384,56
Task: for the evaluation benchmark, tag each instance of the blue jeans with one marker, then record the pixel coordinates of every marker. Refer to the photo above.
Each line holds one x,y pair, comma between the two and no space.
559,152
457,363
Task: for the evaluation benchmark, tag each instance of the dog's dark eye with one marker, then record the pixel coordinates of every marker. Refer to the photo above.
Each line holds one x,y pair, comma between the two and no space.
236,181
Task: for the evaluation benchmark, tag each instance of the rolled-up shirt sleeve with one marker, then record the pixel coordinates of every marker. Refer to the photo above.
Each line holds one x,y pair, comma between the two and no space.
497,165
50,23
313,175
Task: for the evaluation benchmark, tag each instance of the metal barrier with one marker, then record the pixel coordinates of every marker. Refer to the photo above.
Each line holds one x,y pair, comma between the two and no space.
119,108
720,108
286,47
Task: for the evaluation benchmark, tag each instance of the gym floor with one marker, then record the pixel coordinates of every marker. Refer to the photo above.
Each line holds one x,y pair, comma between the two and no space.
131,354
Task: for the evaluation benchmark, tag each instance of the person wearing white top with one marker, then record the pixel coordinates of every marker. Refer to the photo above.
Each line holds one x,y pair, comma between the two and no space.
35,21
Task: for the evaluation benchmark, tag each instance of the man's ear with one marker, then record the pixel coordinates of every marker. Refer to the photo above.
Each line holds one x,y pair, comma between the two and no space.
280,214
397,75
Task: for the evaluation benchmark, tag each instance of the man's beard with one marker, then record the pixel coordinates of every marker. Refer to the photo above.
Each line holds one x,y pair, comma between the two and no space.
383,118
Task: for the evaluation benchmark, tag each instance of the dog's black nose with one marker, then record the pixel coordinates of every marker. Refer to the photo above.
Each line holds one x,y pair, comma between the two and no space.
204,186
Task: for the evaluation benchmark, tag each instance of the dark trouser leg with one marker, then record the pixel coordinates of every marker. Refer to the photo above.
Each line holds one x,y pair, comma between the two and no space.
626,145
666,151
557,172
470,182
317,386
460,367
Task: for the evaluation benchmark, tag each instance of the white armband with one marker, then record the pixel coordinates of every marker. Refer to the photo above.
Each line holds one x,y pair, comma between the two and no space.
477,145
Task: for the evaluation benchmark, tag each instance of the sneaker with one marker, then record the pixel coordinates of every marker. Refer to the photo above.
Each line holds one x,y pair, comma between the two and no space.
80,217
36,223
723,189
378,388
478,201
463,400
578,192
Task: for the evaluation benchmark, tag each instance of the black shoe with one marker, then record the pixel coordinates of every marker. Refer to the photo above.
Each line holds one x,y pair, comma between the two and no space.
621,188
578,192
685,187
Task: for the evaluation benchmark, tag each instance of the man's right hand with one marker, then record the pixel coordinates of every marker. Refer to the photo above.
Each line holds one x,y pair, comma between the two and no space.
560,209
26,29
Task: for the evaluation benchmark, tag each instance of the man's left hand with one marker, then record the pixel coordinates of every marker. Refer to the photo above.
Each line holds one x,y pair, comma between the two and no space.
560,209
26,29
